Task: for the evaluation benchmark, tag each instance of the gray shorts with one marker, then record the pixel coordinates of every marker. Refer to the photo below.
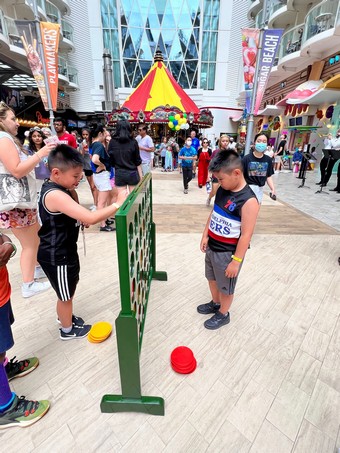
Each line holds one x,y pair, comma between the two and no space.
215,266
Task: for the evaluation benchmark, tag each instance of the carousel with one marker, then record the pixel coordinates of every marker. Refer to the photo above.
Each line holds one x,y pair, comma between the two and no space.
161,102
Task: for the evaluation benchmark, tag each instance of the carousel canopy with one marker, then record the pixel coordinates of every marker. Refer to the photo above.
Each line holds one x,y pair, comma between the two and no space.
159,96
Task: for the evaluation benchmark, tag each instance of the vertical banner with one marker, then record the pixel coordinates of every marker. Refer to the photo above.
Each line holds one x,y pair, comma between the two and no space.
50,37
250,39
270,43
50,40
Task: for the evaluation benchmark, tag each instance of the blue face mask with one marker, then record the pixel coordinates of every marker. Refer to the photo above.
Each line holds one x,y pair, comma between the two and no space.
260,147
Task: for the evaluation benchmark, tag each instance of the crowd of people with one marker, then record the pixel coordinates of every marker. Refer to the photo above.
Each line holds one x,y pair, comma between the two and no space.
40,206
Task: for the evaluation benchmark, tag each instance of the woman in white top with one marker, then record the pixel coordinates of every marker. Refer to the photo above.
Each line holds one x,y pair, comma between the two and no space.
14,160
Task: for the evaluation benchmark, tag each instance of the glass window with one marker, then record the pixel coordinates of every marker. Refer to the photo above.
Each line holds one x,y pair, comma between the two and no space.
171,25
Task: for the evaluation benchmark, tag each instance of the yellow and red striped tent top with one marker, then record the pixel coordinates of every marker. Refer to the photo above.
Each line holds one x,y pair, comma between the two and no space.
159,88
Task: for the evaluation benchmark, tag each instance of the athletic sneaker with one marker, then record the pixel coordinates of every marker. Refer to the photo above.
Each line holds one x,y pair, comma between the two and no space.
33,288
207,309
16,368
23,412
185,191
39,273
76,321
76,332
217,321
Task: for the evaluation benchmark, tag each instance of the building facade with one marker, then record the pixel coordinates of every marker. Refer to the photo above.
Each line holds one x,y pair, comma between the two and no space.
201,49
303,94
200,41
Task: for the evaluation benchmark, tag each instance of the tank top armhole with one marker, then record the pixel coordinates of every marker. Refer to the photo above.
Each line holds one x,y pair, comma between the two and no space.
44,205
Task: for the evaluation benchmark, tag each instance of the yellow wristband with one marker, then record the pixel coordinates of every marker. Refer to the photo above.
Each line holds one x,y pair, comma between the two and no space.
235,258
116,205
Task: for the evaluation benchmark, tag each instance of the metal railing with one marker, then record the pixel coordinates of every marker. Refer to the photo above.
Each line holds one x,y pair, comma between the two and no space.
321,18
291,41
259,19
72,75
12,32
62,67
276,5
52,12
67,30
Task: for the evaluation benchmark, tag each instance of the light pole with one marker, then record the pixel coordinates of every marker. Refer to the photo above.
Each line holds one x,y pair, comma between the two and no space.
250,125
41,50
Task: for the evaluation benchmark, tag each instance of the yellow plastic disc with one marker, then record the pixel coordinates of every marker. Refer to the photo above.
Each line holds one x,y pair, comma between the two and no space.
100,330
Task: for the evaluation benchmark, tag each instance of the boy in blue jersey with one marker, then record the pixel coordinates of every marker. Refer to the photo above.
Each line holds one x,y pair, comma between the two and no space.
187,156
227,235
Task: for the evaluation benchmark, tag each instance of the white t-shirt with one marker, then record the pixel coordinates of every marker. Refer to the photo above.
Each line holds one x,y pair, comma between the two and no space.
147,143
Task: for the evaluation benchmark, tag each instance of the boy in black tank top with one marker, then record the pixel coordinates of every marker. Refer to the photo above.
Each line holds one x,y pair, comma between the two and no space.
61,215
227,235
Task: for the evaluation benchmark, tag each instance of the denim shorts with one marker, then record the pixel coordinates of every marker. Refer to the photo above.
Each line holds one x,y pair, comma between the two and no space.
6,320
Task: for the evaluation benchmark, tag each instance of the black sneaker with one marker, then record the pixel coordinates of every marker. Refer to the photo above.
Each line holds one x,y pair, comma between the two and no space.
107,228
76,332
217,321
19,368
207,309
23,412
76,321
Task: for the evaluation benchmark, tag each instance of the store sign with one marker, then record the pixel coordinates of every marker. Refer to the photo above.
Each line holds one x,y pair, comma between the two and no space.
270,43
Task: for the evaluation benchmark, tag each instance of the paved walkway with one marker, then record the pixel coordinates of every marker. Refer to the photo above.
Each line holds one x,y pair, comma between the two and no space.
268,382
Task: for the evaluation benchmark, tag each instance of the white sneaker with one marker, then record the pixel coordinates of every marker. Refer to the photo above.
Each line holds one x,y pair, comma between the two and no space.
93,208
30,289
39,273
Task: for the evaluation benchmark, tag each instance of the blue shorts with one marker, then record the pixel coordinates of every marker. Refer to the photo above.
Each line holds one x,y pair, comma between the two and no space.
6,320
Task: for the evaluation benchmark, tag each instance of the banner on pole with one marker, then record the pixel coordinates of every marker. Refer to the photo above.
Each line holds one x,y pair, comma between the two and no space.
270,43
50,33
50,38
250,39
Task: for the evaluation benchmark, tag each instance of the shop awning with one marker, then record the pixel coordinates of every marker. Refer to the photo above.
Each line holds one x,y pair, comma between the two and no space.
270,110
236,118
301,93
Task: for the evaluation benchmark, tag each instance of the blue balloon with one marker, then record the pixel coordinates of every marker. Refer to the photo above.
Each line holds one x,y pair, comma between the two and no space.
175,122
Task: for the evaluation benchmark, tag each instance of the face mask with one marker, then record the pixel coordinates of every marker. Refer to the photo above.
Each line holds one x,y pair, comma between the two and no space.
261,147
189,142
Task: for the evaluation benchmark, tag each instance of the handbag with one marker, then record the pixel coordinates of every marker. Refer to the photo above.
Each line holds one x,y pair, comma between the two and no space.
17,192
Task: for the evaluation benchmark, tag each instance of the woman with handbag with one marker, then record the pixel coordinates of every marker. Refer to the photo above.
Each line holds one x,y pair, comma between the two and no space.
18,197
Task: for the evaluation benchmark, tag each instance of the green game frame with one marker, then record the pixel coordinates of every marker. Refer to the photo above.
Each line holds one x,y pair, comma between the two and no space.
136,211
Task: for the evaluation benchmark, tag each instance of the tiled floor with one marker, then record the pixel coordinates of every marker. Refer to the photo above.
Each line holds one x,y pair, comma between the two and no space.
268,382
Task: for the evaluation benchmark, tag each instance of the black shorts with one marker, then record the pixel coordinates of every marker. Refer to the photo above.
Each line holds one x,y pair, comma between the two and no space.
63,278
88,172
6,320
126,177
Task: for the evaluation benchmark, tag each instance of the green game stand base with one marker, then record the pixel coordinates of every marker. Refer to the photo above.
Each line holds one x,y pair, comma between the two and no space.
153,405
160,275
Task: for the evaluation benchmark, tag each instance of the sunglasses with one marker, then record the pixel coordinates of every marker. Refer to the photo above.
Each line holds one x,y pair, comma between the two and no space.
33,129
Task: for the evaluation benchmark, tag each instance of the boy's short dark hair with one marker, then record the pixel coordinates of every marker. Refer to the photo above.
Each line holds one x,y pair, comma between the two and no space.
64,157
226,161
259,135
